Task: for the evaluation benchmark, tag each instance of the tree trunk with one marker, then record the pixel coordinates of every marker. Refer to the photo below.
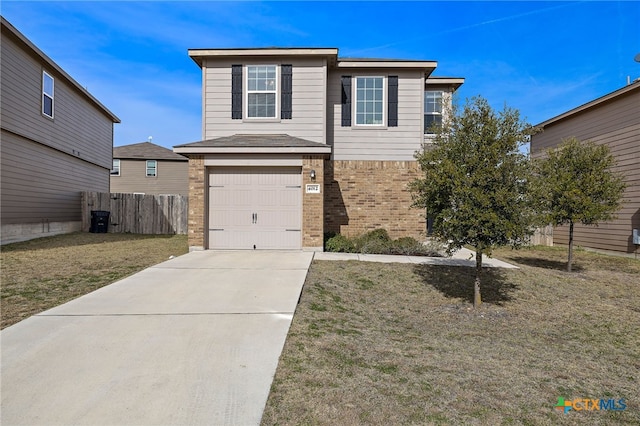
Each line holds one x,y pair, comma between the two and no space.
570,246
477,300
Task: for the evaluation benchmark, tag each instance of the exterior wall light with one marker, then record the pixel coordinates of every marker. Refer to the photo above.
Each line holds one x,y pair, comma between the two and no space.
312,174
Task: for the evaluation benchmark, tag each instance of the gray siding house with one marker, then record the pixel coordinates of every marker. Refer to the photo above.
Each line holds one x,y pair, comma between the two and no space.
298,142
57,141
614,120
146,168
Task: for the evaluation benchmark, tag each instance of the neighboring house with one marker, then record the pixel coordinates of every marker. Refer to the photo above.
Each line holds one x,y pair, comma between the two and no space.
298,142
146,168
614,120
56,142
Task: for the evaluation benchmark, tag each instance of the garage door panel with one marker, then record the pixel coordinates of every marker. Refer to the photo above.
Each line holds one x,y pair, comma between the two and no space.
266,198
274,220
289,198
276,239
229,177
232,239
255,206
224,219
229,197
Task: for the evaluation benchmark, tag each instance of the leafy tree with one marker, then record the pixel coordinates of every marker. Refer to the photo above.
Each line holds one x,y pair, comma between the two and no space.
575,184
475,181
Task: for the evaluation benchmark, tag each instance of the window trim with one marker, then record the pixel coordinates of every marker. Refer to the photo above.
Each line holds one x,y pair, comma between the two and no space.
277,93
433,113
51,96
115,171
354,103
155,168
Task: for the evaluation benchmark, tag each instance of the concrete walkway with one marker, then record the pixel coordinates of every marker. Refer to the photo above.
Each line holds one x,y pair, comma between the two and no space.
194,340
463,257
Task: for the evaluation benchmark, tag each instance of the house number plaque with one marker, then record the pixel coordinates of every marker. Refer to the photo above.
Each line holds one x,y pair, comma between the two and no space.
312,188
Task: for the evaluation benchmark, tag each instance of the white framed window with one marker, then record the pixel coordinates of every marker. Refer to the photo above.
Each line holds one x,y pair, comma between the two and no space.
115,168
370,101
432,111
152,168
48,91
262,91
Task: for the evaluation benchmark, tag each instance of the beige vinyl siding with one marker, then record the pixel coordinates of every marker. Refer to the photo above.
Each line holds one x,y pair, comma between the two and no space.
308,100
78,128
172,178
390,143
40,183
617,124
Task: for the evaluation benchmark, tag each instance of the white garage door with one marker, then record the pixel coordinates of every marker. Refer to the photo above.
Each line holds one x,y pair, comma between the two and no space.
255,208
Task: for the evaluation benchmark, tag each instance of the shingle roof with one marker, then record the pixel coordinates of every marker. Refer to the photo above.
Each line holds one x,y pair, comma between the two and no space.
146,151
255,141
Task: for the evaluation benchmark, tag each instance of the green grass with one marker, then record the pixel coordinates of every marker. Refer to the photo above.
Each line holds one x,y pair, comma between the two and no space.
401,344
40,274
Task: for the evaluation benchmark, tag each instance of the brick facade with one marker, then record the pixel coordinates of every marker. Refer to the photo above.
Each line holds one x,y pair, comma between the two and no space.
312,204
197,192
364,195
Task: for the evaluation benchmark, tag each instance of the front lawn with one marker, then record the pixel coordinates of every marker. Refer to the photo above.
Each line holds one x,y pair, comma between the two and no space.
388,344
40,274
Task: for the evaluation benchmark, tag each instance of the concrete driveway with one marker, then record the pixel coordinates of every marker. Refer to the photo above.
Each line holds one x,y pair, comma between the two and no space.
194,340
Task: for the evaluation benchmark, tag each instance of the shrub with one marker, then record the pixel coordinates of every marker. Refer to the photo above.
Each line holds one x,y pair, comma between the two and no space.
340,244
406,245
374,242
379,242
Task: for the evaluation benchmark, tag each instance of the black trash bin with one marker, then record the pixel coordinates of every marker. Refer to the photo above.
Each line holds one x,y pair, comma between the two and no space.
99,221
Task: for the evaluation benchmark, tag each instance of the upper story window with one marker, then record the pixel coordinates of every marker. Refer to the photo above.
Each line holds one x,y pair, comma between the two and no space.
432,111
373,101
115,168
262,90
152,168
369,108
47,94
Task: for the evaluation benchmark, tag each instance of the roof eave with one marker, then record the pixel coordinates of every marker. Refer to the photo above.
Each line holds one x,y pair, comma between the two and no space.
385,63
199,54
454,82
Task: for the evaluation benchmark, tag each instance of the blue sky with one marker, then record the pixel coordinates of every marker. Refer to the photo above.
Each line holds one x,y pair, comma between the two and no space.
542,58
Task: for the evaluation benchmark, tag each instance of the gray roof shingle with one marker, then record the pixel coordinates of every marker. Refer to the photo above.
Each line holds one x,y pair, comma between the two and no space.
255,141
146,151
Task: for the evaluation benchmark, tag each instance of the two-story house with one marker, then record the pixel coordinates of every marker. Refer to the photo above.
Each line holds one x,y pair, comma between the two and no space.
298,142
147,168
57,141
612,120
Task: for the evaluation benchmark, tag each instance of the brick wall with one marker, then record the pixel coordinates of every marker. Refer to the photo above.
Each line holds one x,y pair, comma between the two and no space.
365,195
312,204
196,202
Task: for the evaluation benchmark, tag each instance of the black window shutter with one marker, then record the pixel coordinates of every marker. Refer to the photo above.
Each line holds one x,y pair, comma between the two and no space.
392,99
346,101
236,92
286,92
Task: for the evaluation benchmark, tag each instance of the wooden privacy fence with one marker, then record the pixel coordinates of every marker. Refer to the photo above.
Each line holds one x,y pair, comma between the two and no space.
542,236
136,213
